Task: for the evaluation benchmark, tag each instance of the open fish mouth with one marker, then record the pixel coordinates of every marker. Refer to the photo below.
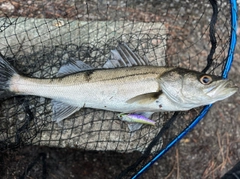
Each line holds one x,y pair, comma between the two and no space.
223,90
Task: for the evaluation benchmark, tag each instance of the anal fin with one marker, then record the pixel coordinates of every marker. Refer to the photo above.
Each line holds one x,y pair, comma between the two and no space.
62,110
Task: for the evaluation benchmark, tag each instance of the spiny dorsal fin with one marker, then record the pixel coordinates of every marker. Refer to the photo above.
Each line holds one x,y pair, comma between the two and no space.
131,58
123,56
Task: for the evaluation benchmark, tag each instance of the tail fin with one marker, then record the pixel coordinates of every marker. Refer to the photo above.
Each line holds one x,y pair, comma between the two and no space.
6,73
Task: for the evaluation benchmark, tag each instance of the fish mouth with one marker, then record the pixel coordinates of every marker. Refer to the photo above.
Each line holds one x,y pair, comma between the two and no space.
222,91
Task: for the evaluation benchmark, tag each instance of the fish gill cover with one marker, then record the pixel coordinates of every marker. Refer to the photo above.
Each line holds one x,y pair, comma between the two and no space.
38,37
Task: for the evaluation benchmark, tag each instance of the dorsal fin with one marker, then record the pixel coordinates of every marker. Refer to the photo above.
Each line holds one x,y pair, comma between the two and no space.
73,67
123,56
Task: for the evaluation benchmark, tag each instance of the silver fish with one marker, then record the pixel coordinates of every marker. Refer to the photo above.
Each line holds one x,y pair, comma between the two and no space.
134,87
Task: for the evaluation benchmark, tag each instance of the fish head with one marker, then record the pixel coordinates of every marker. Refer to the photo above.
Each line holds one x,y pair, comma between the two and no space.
191,89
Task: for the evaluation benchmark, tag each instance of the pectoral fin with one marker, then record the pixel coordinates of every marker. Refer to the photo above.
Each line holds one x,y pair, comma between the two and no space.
145,98
62,110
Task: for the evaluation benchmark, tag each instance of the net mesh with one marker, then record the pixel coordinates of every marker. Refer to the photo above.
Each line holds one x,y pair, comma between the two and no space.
38,37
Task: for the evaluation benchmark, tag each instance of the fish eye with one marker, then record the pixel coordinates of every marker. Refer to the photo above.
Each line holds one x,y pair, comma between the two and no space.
205,79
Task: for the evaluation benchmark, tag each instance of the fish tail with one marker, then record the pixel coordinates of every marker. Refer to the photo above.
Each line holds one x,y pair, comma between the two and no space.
6,73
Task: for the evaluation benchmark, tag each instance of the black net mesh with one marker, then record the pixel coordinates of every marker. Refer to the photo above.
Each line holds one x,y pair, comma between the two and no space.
38,37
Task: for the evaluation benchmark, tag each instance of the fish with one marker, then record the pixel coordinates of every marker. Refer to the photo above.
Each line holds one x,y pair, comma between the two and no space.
126,83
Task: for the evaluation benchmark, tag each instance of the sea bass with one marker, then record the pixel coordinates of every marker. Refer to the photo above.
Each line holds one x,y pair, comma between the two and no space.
125,84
